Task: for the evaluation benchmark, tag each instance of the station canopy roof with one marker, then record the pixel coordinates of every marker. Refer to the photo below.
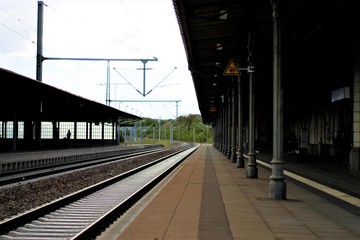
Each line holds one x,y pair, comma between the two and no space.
26,99
216,31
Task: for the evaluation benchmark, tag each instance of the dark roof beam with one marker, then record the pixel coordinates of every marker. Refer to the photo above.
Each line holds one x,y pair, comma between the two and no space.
324,21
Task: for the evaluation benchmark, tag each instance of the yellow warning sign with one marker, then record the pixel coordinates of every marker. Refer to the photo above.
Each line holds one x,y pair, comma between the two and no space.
232,69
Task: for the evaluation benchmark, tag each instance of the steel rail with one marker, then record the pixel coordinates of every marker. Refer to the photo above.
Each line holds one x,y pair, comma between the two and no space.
94,200
47,170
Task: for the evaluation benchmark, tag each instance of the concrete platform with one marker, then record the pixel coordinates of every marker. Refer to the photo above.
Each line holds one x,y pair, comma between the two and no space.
209,198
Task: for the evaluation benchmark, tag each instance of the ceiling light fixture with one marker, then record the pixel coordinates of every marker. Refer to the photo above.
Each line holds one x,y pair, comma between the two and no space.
223,14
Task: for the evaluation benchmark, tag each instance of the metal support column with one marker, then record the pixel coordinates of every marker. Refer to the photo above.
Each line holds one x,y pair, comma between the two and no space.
39,54
113,133
251,169
355,151
277,186
228,123
90,134
108,83
39,60
240,158
160,130
171,132
224,128
75,134
233,127
144,70
15,132
87,131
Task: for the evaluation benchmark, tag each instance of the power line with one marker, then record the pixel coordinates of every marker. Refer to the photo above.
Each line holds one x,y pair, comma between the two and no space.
127,80
162,80
14,31
22,24
18,19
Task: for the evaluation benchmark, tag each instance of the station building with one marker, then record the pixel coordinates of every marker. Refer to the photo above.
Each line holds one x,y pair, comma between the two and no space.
35,115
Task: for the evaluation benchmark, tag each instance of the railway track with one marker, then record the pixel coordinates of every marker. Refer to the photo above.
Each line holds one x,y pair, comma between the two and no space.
35,172
86,213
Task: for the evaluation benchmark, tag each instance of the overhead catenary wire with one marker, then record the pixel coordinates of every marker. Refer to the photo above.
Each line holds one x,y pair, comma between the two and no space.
22,23
169,111
18,19
127,80
24,26
17,33
144,83
162,80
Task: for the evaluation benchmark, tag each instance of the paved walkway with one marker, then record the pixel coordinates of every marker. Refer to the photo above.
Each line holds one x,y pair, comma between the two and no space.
209,198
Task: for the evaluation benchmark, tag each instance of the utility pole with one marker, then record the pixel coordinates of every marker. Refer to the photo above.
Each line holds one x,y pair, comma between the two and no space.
144,61
159,129
108,83
39,53
39,60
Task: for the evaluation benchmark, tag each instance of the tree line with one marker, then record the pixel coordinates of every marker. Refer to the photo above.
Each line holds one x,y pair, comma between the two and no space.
189,128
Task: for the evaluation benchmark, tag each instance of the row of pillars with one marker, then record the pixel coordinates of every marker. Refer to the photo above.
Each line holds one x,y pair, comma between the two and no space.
32,136
228,132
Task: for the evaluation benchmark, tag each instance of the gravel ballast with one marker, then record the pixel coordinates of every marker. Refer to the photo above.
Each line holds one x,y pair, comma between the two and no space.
21,197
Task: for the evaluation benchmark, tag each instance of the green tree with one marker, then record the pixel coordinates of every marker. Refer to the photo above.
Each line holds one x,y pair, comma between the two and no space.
185,129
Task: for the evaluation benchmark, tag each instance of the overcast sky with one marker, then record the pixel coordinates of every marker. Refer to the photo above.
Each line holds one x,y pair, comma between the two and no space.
125,29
